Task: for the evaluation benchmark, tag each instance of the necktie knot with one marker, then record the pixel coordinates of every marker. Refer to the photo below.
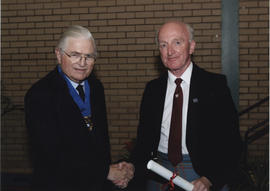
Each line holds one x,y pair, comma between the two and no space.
178,81
81,92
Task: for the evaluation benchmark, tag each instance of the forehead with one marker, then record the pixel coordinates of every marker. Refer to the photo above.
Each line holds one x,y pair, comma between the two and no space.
79,44
173,31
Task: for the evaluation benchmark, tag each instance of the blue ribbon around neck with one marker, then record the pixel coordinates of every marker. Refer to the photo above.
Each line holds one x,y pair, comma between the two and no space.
84,106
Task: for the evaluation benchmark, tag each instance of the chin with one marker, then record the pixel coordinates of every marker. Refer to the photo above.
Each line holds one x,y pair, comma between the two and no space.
79,78
174,66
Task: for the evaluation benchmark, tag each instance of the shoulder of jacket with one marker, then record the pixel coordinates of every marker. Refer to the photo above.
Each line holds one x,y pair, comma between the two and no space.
161,79
47,84
208,76
95,82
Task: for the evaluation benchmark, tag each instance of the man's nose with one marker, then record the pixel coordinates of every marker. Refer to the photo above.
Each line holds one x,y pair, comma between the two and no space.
82,61
170,50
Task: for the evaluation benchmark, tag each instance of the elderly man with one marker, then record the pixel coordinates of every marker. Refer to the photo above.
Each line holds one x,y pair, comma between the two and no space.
188,122
66,118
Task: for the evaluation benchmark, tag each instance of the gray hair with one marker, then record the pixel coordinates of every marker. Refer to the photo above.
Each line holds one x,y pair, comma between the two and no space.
75,31
191,32
189,29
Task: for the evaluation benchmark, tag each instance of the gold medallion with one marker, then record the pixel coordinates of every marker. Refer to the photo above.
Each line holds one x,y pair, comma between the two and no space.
88,122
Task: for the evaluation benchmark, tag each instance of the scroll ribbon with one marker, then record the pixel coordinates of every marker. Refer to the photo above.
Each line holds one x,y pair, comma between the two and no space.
172,177
171,181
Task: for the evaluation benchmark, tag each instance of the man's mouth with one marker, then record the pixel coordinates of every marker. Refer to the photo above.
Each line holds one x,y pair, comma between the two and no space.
80,69
172,59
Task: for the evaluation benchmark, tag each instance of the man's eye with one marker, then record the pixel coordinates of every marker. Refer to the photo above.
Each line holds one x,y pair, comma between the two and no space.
89,57
75,54
178,43
162,45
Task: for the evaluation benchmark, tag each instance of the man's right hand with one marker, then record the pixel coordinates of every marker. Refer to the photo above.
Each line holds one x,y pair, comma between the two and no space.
120,174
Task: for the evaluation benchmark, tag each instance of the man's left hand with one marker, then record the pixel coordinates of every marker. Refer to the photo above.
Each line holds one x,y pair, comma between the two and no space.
201,184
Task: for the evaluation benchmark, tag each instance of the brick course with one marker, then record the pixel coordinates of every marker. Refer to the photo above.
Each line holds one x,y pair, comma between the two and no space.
127,57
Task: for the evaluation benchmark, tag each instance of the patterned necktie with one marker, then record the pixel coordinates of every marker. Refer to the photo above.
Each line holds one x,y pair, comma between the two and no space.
81,92
175,137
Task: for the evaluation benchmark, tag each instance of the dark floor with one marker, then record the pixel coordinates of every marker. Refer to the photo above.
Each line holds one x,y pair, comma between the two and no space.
22,182
15,182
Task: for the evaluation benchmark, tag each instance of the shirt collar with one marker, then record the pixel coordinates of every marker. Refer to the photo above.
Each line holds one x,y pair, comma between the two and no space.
186,76
74,84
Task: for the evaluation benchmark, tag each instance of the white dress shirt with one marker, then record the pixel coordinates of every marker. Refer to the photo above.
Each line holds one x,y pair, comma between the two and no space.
167,113
74,84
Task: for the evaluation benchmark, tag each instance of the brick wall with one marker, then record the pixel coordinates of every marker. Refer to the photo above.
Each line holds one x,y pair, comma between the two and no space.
254,66
128,58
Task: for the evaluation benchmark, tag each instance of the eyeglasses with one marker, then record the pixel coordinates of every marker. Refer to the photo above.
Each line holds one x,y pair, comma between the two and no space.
76,57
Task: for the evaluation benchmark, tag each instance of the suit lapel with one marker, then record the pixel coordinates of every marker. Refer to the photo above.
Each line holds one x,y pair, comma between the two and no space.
193,107
162,94
161,88
65,100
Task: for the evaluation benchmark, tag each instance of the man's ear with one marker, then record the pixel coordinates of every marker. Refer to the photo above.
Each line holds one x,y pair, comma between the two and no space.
58,55
192,47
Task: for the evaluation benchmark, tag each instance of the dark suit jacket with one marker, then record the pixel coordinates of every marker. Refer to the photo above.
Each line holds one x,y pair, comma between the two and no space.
212,137
65,155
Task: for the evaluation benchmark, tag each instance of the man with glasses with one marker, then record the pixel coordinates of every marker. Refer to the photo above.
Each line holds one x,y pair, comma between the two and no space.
66,118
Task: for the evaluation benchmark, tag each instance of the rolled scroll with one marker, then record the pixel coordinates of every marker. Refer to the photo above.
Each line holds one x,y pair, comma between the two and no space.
167,174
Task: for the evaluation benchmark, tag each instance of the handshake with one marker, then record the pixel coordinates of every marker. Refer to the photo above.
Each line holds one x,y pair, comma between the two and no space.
121,173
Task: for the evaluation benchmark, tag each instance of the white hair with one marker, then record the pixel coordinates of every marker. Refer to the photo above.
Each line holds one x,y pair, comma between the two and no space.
75,31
